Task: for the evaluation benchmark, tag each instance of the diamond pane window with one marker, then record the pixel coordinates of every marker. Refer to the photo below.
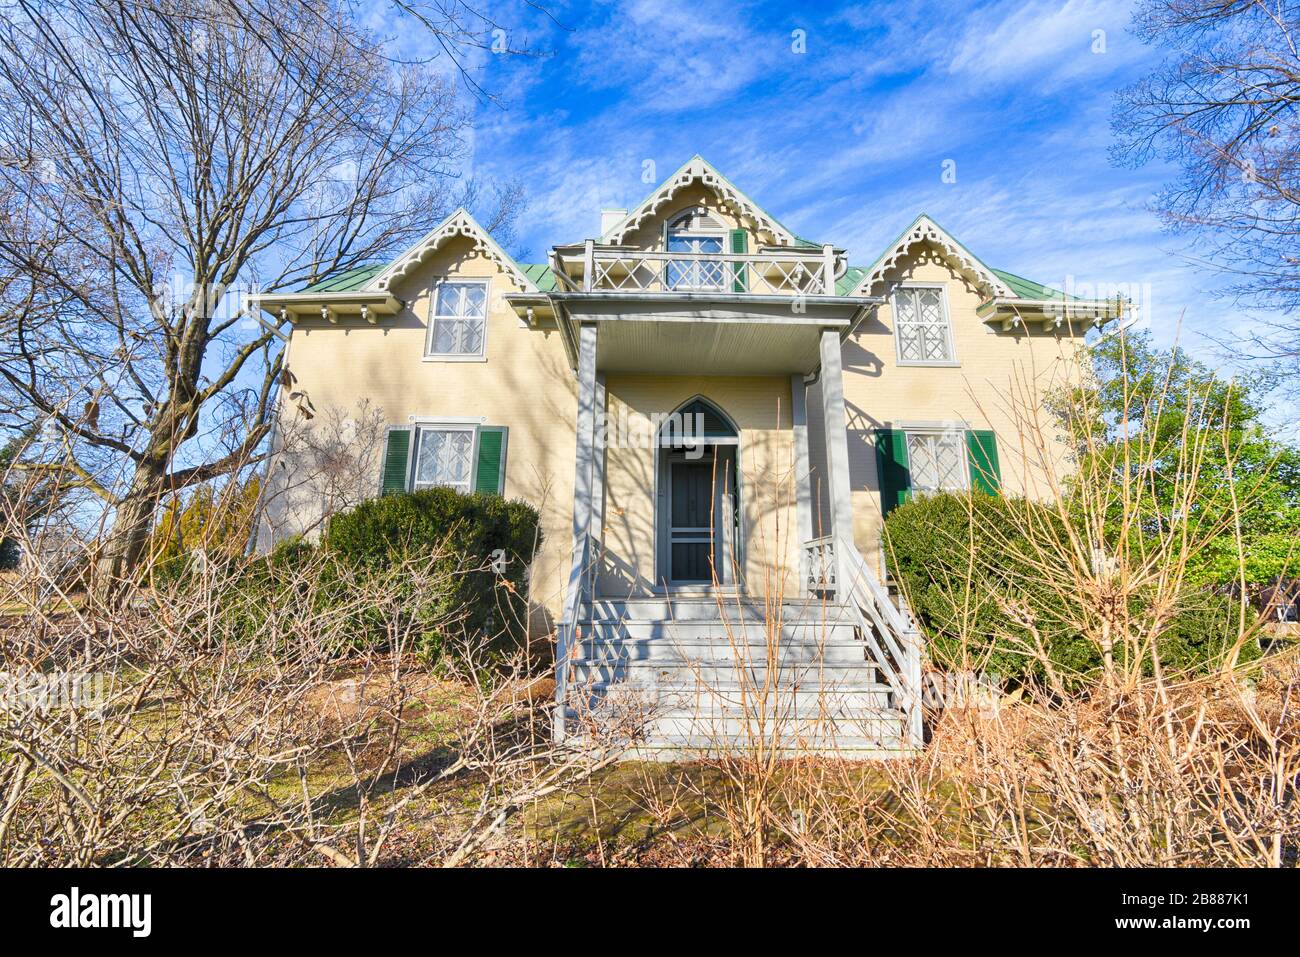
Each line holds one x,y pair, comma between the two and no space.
444,457
921,318
937,461
694,273
458,323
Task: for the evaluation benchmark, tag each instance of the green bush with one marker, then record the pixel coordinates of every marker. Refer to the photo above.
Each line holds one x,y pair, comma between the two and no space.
970,566
483,543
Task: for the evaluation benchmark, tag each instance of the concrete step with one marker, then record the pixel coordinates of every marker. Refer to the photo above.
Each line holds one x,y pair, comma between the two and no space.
817,732
723,632
690,748
679,609
731,695
709,674
604,650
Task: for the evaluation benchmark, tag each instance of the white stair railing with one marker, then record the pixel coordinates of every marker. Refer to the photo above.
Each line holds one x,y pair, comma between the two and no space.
890,631
819,565
576,599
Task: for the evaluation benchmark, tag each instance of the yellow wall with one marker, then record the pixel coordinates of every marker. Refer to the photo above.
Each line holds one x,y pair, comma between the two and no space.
1000,382
525,384
760,408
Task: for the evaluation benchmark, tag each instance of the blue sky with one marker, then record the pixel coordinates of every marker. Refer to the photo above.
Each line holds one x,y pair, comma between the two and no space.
846,142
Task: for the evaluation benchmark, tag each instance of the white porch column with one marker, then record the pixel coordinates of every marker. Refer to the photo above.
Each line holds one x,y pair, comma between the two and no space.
802,470
834,421
584,482
598,442
585,476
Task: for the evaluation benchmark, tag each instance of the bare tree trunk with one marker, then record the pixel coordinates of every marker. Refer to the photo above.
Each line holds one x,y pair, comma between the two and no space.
128,538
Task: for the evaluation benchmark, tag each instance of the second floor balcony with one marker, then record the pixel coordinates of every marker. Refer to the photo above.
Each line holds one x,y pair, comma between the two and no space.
770,272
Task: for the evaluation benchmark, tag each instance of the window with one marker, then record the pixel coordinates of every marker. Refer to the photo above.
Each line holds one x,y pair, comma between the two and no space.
444,456
937,461
926,458
694,231
458,326
921,325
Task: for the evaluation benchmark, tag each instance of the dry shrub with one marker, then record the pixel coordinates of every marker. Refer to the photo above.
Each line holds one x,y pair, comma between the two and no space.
266,736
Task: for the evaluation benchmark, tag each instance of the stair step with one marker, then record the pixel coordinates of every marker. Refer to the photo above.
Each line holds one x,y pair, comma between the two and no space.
732,632
708,674
605,651
812,729
688,609
858,695
695,748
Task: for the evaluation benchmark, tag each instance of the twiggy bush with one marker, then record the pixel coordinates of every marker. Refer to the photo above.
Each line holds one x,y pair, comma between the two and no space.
969,565
1141,750
270,736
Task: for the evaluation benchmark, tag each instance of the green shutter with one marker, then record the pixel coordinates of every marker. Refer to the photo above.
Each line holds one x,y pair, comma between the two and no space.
397,454
985,475
891,463
490,471
739,246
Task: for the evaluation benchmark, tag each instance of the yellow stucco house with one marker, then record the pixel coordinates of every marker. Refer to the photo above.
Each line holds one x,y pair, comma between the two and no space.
712,414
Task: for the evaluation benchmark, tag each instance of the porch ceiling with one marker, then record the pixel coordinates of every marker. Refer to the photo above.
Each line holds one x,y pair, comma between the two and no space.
679,336
721,348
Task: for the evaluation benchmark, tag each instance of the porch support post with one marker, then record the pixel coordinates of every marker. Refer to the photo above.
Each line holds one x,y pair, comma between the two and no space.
598,442
834,420
802,478
584,481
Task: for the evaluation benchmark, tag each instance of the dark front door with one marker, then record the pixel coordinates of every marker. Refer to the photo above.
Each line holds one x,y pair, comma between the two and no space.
691,522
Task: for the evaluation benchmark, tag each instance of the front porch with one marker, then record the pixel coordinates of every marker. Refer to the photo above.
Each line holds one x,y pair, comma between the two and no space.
693,495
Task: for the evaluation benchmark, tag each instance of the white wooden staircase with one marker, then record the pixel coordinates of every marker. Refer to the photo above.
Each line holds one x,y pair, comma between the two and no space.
686,677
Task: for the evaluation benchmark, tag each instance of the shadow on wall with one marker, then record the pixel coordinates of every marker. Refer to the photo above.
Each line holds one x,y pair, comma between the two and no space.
627,556
863,472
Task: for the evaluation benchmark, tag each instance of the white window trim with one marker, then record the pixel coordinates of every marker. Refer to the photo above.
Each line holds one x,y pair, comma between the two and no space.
419,426
950,363
480,356
957,428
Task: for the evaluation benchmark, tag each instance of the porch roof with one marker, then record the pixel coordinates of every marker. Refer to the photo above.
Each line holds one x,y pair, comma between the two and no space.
711,333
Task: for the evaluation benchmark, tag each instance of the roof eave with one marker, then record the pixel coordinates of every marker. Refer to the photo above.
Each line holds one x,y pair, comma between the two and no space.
1014,312
325,305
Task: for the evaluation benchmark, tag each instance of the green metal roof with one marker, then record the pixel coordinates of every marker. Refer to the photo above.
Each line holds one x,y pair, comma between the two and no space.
348,281
1028,289
1022,287
540,274
845,285
354,279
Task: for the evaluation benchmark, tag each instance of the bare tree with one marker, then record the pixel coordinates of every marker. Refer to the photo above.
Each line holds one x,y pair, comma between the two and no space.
155,158
1222,108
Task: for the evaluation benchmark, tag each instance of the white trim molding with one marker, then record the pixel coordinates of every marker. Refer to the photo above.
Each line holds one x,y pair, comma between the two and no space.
459,223
698,170
924,230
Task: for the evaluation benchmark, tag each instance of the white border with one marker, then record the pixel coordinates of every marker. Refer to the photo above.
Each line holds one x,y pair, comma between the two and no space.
441,281
950,363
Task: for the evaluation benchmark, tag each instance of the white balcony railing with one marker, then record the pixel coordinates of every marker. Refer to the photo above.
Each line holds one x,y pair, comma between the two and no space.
794,273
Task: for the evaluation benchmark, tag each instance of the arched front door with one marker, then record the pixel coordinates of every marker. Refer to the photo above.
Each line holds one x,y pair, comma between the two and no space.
698,502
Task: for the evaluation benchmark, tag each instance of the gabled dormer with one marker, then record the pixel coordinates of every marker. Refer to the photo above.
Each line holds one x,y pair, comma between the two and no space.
697,234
